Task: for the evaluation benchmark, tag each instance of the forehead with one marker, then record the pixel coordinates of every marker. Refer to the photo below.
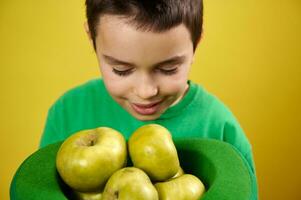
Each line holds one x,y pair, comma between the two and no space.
119,39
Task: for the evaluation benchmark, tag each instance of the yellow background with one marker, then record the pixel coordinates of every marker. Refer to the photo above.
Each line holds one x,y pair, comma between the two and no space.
249,57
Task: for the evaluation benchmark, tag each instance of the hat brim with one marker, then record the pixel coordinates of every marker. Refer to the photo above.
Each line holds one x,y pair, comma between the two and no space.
219,165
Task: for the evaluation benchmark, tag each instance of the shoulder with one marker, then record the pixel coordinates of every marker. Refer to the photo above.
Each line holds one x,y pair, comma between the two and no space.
79,97
84,91
210,104
91,86
217,116
221,120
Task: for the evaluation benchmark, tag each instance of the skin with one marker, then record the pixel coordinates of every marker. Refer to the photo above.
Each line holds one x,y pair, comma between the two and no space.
85,160
87,196
141,78
151,149
129,183
179,173
187,187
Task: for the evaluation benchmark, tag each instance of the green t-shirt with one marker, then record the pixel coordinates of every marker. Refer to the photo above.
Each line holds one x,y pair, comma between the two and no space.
198,114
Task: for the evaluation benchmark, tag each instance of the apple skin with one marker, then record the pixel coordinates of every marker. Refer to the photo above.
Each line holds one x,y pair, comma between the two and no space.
87,196
179,173
87,159
183,187
130,183
151,149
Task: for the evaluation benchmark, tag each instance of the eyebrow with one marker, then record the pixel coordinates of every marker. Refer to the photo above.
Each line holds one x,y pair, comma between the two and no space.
172,60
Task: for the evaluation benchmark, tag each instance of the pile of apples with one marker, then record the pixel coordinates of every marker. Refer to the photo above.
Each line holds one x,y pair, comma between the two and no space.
93,163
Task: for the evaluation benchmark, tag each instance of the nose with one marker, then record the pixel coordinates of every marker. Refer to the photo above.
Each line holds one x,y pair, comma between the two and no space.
146,87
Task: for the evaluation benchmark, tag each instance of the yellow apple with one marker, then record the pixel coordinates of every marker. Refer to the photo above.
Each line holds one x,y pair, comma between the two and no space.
129,183
151,149
179,173
87,159
185,187
88,196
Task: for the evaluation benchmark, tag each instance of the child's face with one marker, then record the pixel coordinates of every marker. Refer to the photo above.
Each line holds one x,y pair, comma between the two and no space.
144,72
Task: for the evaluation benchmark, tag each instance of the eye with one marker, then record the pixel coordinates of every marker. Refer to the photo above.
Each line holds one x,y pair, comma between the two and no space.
169,71
122,72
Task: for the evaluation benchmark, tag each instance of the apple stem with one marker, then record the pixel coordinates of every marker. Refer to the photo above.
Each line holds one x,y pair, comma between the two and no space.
116,194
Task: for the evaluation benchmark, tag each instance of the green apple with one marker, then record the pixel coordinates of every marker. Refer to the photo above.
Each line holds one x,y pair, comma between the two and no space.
88,196
151,149
183,187
130,183
87,159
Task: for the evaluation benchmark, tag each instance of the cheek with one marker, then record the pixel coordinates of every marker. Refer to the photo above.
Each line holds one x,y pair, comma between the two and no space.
113,83
177,83
115,87
174,87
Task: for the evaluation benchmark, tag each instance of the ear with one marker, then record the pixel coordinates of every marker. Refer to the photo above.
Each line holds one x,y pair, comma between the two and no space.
193,58
87,30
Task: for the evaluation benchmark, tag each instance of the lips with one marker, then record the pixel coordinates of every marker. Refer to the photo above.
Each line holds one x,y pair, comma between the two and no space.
146,109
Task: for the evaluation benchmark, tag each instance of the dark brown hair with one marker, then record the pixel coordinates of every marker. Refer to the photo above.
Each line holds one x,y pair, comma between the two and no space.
149,15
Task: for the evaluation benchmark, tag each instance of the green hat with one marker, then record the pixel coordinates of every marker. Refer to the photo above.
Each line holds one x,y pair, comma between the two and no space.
224,172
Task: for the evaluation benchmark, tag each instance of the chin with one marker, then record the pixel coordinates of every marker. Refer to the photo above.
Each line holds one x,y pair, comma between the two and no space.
145,117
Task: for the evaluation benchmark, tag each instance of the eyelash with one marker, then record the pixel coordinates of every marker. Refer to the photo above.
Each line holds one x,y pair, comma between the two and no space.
122,73
169,71
128,72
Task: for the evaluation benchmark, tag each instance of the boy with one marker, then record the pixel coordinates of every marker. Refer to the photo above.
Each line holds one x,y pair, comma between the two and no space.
145,50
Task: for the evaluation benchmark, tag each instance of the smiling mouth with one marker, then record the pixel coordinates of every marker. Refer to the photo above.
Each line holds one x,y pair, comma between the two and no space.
146,109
